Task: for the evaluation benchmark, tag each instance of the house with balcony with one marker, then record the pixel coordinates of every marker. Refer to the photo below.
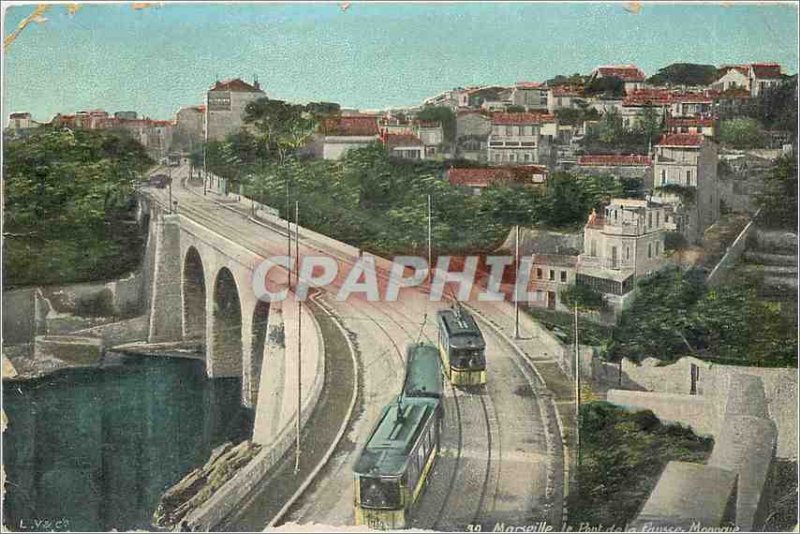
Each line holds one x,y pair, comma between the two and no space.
691,105
685,179
404,146
621,244
521,138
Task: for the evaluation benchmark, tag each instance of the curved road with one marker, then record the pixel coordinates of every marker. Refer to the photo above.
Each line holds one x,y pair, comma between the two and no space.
493,464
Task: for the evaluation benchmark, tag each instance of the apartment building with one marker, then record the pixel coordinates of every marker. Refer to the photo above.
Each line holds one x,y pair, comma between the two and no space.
521,138
225,104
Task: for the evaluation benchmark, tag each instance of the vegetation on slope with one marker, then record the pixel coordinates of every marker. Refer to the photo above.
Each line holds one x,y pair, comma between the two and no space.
69,205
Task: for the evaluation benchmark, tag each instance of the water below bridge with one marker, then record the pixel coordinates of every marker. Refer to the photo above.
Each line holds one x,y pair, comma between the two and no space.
93,449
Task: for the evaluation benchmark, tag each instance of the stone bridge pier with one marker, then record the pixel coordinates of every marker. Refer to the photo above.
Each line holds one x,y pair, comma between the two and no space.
201,290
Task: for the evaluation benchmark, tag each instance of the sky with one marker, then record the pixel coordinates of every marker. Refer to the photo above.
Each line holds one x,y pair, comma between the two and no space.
369,56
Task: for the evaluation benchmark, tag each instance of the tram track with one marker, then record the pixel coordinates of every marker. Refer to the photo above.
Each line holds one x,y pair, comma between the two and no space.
449,512
443,521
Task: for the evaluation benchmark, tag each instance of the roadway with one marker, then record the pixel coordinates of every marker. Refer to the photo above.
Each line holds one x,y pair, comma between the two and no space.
494,460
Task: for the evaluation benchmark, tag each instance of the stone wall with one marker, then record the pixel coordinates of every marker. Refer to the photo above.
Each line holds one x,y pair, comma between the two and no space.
745,442
19,315
713,380
233,492
733,253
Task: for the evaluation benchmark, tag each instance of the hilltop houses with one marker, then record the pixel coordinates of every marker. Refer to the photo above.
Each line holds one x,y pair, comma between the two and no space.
755,77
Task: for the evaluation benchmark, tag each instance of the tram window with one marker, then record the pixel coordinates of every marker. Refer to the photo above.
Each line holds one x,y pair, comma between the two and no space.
379,493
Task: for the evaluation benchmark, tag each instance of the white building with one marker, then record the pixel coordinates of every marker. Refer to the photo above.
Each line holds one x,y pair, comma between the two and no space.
225,105
685,177
622,244
755,77
521,138
340,134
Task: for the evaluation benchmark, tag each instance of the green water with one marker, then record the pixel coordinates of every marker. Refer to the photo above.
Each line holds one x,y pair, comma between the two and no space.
93,449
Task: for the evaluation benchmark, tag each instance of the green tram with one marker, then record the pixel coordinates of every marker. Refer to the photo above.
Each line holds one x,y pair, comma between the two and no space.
423,372
393,467
462,347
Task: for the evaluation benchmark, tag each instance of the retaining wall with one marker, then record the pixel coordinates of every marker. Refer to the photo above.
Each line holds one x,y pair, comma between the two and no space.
233,492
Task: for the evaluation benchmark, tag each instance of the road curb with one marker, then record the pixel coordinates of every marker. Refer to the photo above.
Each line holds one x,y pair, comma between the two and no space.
339,435
540,401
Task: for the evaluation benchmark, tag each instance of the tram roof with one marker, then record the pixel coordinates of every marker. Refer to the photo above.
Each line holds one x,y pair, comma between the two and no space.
392,438
423,374
461,323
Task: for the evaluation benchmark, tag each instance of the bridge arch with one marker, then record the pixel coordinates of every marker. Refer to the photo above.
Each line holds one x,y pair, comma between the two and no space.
226,328
257,345
194,297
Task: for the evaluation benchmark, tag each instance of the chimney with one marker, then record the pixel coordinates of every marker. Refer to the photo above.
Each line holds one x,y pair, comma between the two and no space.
255,82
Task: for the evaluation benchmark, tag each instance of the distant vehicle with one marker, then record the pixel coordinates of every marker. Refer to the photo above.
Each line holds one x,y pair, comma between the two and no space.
462,347
173,160
159,180
393,467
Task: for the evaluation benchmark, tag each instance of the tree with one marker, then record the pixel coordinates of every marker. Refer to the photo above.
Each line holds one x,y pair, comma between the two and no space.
684,74
582,298
776,107
609,87
649,125
68,196
778,196
282,127
741,133
560,79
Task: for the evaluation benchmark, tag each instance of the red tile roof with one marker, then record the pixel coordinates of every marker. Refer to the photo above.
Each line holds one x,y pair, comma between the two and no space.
690,121
402,140
350,126
557,260
681,139
21,115
486,176
626,73
766,70
652,97
522,118
236,85
691,98
614,160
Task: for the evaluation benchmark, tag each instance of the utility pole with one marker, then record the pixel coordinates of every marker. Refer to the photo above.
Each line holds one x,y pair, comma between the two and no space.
205,167
169,170
577,388
288,230
299,338
516,279
430,226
